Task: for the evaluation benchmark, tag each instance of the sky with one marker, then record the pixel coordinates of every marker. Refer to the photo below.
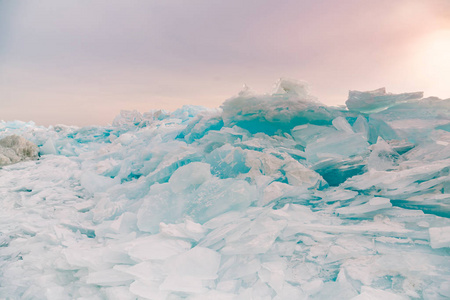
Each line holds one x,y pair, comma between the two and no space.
81,62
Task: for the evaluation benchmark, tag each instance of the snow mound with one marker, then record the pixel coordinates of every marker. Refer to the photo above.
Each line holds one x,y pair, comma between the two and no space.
15,148
269,197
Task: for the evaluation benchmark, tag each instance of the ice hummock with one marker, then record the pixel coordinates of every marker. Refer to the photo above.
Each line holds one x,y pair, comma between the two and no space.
268,197
14,149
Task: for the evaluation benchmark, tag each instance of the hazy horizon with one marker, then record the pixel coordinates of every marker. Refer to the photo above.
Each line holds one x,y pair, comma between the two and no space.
80,63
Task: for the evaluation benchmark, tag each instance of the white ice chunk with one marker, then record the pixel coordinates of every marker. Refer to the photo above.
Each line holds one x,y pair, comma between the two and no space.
187,230
341,124
361,126
273,273
313,286
378,100
256,239
125,139
298,175
290,292
182,284
96,183
291,86
199,262
126,223
118,293
439,237
156,247
148,290
382,157
241,266
109,277
148,271
48,148
274,191
190,176
368,293
128,117
374,204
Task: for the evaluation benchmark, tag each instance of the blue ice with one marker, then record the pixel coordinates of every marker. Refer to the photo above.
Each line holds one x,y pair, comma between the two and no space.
270,196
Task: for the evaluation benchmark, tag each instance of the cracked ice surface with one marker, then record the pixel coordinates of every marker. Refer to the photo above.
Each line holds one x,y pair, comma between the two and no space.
269,197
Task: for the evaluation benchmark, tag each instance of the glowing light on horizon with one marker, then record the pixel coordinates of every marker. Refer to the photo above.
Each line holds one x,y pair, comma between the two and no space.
433,61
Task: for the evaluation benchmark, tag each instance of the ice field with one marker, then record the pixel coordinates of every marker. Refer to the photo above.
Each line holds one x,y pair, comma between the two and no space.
272,196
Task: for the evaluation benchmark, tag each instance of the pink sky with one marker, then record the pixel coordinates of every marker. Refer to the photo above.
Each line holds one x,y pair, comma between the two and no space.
80,62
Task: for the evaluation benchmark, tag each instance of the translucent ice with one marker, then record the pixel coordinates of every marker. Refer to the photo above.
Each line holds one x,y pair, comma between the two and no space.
289,105
440,237
377,100
48,148
190,176
199,262
269,197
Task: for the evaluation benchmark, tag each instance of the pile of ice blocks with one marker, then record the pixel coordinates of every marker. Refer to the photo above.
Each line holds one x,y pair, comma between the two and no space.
268,197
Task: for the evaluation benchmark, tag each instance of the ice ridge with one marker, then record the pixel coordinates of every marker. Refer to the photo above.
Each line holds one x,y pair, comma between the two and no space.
267,197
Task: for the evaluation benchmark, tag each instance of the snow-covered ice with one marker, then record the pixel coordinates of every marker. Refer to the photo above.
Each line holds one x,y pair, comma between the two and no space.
274,196
14,148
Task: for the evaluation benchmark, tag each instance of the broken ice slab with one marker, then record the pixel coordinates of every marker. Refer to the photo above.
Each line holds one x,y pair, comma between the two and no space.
411,180
156,247
426,113
48,148
380,128
109,277
291,105
201,124
378,100
235,267
187,230
183,284
401,147
368,293
382,156
298,175
437,204
199,262
337,145
190,176
336,170
440,237
148,290
435,147
227,161
308,133
276,190
341,124
160,205
218,196
94,183
222,227
116,293
256,239
128,117
374,204
211,198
